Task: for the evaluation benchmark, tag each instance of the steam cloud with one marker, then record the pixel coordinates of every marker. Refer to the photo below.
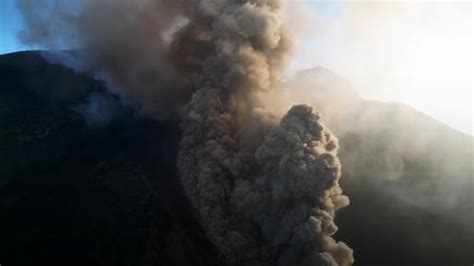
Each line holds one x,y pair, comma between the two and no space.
265,192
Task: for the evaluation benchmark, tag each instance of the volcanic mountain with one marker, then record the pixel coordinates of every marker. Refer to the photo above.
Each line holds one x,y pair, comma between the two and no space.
85,180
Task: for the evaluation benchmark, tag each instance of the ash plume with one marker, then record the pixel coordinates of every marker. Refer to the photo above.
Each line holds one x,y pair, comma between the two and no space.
294,196
265,192
125,43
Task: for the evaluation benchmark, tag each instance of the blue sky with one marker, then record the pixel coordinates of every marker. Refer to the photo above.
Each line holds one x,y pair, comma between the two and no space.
10,24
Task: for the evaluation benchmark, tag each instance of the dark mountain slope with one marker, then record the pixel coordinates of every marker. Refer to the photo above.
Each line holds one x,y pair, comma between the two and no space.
77,195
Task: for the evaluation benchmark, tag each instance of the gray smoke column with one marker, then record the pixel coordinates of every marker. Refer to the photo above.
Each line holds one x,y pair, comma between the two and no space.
294,196
275,205
264,192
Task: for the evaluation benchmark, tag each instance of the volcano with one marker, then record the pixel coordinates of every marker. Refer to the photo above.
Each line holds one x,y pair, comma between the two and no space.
77,191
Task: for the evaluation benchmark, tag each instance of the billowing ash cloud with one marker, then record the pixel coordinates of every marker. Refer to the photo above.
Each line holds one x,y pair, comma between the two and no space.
123,42
265,193
295,193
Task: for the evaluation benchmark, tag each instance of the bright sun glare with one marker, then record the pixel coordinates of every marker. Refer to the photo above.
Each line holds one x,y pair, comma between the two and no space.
416,53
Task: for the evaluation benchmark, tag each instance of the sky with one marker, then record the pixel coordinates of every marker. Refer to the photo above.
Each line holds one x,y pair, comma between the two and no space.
10,24
418,53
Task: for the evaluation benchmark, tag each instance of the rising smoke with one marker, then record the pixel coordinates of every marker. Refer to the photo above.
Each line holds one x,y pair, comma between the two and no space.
295,193
265,192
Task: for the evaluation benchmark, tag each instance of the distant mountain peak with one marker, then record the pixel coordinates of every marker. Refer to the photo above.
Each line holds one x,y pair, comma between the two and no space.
324,82
317,70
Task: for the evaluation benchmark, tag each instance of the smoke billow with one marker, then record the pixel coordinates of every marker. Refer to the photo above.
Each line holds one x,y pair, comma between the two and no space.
124,43
295,193
265,192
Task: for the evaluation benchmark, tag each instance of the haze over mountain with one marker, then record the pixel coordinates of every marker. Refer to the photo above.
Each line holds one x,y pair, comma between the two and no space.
85,180
409,177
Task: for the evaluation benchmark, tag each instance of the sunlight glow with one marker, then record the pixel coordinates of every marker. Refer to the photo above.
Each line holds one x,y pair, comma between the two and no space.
416,53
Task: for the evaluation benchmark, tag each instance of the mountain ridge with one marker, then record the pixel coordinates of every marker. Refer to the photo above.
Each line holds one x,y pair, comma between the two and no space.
111,192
